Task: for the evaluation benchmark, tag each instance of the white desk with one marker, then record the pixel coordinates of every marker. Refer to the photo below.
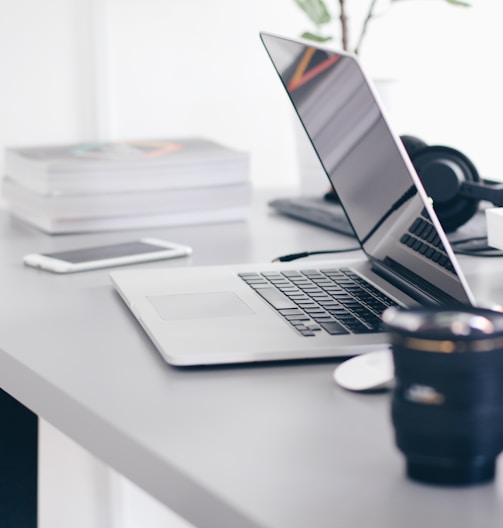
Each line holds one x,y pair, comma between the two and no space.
254,446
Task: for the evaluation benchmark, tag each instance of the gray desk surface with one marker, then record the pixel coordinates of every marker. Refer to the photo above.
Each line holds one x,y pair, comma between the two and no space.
257,446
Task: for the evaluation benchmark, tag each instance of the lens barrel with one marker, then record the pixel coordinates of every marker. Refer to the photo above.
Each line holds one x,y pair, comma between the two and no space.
447,404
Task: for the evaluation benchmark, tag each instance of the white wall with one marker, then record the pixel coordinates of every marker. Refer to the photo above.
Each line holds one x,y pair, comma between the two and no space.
75,69
162,68
450,79
197,67
45,72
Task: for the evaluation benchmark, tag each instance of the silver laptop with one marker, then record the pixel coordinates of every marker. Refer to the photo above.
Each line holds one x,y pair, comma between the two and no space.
229,314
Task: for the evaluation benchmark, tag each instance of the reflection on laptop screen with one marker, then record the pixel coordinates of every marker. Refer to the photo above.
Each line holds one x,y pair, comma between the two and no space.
361,157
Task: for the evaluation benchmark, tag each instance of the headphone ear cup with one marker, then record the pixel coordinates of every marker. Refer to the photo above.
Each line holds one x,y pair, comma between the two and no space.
442,171
412,144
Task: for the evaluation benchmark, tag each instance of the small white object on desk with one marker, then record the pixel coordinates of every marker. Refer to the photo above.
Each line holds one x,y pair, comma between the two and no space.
368,372
494,220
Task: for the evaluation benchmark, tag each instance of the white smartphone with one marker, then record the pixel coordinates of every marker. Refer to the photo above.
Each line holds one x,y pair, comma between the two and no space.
90,258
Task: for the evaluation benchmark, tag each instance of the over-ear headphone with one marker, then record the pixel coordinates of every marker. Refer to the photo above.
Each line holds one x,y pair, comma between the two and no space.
451,180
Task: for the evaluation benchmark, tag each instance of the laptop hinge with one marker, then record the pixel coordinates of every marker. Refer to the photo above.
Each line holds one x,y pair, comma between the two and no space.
412,284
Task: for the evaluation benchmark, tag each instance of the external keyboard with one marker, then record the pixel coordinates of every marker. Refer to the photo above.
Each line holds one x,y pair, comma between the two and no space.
423,238
315,210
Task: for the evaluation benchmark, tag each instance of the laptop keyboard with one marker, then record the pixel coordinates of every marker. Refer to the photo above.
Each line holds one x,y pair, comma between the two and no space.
337,301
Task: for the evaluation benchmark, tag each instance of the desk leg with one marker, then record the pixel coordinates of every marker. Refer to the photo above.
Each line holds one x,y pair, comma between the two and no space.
18,464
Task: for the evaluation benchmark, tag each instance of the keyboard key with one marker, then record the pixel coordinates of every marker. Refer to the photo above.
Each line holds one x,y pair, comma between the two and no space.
290,311
275,298
334,328
297,318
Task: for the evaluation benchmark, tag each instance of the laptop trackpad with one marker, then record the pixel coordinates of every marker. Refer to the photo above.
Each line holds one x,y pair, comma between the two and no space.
199,305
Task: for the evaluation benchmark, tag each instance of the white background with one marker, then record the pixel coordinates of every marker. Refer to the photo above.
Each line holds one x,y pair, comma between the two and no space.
74,70
117,69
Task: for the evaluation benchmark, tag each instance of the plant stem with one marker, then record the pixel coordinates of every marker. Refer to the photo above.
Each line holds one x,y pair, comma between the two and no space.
344,24
368,18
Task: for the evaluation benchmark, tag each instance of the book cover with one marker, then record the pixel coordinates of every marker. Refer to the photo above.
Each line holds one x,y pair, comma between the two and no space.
91,156
55,226
125,203
106,181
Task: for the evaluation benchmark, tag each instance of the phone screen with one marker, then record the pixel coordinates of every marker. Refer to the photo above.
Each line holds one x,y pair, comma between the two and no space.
78,256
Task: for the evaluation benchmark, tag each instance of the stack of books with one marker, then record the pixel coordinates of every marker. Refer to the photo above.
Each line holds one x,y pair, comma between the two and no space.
125,185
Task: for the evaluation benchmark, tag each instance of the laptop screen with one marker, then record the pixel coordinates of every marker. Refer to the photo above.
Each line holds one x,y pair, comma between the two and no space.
369,169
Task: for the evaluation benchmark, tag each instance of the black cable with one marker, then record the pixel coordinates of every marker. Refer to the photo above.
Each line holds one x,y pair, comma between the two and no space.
304,254
468,240
474,250
476,247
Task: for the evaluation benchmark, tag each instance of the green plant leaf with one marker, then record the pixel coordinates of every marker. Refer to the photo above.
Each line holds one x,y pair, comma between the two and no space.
313,36
316,10
459,3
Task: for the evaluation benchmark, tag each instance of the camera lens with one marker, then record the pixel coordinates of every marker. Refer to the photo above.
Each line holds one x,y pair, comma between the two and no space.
447,404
